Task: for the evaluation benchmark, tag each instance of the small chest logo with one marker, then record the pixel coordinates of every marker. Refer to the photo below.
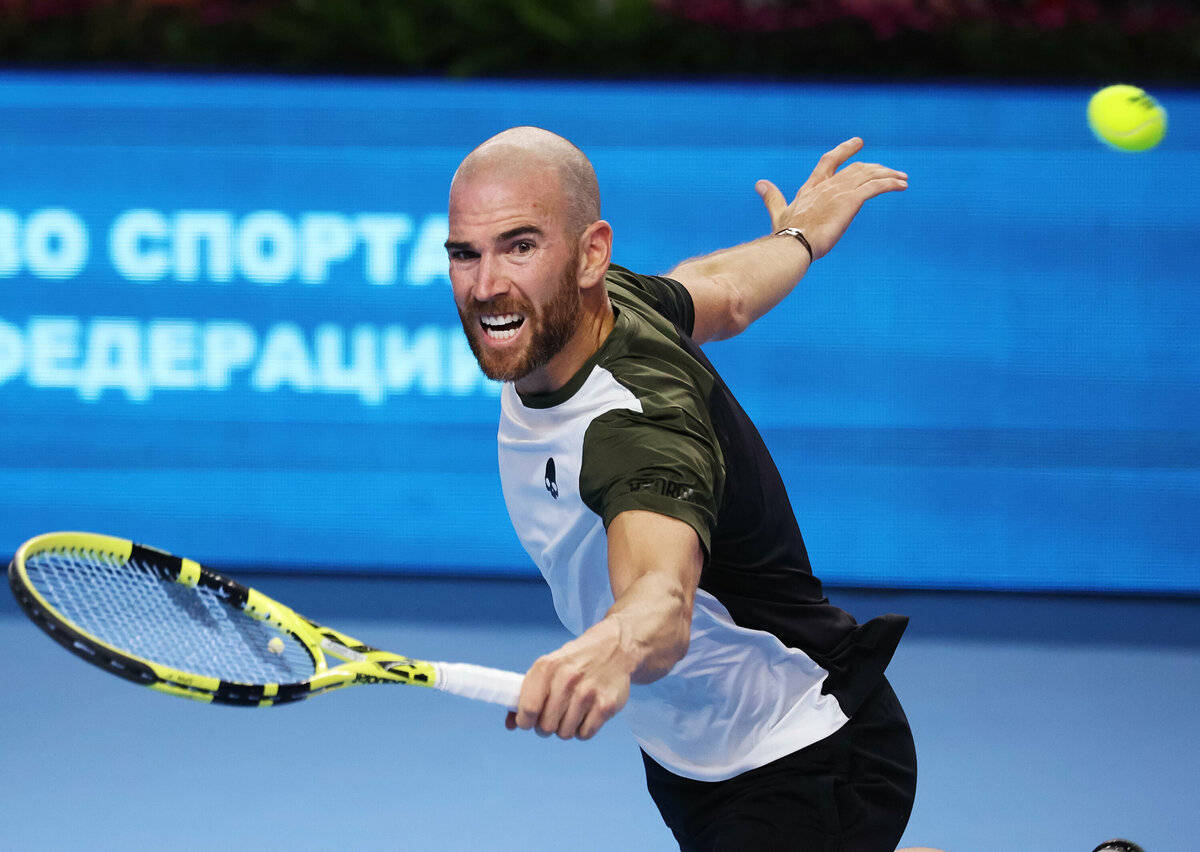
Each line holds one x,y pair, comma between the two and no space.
551,484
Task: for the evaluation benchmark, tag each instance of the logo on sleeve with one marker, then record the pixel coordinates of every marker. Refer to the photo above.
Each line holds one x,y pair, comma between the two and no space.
551,484
658,485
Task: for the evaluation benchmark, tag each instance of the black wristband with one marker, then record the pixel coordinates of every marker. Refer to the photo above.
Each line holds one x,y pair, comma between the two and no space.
795,232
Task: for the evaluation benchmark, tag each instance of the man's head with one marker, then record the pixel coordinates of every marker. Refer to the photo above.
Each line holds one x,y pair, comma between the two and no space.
527,249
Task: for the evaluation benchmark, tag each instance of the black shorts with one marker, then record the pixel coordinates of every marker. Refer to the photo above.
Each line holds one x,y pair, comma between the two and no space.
851,792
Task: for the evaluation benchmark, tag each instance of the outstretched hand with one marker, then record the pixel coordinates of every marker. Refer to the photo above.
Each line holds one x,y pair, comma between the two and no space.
830,199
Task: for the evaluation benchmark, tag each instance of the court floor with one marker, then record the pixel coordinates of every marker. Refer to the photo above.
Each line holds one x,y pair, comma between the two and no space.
1042,723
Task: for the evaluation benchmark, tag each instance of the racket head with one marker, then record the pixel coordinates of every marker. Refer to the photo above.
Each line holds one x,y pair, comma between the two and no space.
164,621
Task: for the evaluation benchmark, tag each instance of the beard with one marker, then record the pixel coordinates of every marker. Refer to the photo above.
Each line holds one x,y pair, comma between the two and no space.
549,328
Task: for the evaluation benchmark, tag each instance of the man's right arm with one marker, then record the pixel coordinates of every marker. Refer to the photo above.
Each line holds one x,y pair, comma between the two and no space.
733,287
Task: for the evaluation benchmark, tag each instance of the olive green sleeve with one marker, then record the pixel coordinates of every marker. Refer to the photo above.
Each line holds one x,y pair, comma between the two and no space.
665,295
667,461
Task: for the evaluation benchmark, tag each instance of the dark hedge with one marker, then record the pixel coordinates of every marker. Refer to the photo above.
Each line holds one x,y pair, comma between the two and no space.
1067,40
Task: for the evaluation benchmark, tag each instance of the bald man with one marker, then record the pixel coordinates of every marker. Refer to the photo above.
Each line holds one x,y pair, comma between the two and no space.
651,506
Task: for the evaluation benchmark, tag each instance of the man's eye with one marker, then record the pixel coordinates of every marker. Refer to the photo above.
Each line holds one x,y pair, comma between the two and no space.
462,254
523,247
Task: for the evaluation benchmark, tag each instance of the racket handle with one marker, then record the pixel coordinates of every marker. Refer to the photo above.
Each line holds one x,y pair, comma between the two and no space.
480,683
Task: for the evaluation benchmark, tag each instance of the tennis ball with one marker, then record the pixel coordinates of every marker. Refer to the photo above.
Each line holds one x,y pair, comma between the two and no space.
1127,118
275,646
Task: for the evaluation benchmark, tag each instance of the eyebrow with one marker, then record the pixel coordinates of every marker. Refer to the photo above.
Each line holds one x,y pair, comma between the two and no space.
519,231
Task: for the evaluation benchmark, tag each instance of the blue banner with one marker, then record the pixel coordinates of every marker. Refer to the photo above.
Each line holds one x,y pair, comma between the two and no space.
226,326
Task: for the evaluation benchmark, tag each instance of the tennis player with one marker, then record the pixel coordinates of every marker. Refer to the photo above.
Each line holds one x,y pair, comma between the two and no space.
651,506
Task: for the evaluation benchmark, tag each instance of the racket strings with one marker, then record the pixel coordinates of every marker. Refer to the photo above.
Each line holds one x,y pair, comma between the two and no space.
129,606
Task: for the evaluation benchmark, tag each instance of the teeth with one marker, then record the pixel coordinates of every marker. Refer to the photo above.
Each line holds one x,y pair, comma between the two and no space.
503,319
501,326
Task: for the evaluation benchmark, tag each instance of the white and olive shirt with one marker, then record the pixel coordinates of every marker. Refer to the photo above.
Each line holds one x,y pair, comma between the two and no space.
647,423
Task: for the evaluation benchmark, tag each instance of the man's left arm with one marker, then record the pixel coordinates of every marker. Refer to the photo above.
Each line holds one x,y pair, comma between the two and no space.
654,564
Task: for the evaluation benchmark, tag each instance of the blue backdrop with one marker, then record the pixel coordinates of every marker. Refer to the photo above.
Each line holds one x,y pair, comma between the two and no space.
225,326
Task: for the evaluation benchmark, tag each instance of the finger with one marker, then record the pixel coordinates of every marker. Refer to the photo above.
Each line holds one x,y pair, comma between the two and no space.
832,160
552,714
879,186
771,197
558,698
576,713
864,172
532,697
596,717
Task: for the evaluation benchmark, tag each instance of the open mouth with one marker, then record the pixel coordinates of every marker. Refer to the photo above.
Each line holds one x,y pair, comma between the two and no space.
501,326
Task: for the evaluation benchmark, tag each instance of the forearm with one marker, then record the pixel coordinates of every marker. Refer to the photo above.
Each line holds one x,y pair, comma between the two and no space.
733,287
650,624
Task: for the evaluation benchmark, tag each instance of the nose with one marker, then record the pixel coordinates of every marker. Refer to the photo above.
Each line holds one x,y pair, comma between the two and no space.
489,283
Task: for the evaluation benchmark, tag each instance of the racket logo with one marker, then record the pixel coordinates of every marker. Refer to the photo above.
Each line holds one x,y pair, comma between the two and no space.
551,484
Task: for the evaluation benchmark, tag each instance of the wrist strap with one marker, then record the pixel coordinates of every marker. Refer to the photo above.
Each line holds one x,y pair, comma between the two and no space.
795,232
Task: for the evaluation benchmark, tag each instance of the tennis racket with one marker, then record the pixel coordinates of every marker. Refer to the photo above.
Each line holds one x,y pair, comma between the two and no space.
170,624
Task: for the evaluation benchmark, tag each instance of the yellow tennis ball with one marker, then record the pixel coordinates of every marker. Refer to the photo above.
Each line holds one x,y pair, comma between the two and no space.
1127,118
275,646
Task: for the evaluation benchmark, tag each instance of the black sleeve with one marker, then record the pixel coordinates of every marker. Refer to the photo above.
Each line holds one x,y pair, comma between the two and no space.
665,295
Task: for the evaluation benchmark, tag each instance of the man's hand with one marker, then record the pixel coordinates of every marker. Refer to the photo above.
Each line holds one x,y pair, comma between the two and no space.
573,691
830,199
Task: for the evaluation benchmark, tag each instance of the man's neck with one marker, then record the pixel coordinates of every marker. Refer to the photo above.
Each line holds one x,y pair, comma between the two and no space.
591,332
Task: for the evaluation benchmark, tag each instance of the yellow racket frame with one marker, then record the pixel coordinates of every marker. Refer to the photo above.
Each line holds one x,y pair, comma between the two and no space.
359,663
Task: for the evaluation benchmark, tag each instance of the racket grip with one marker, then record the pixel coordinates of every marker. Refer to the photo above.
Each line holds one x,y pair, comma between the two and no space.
479,683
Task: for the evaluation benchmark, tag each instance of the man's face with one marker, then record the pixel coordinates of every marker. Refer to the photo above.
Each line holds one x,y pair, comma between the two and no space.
514,272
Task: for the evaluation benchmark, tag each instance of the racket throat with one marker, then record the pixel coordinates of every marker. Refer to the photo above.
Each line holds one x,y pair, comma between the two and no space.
342,652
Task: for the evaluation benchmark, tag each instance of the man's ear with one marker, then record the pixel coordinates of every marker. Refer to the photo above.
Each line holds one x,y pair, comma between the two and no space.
595,252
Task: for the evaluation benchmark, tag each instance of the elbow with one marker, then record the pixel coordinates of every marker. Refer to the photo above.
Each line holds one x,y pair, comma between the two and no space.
681,629
737,310
680,649
672,647
677,648
659,665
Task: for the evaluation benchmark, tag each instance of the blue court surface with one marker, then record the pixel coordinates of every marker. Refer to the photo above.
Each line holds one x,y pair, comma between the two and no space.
1042,723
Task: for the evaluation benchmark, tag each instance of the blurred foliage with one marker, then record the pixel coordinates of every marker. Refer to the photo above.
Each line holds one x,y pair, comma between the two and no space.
1142,41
